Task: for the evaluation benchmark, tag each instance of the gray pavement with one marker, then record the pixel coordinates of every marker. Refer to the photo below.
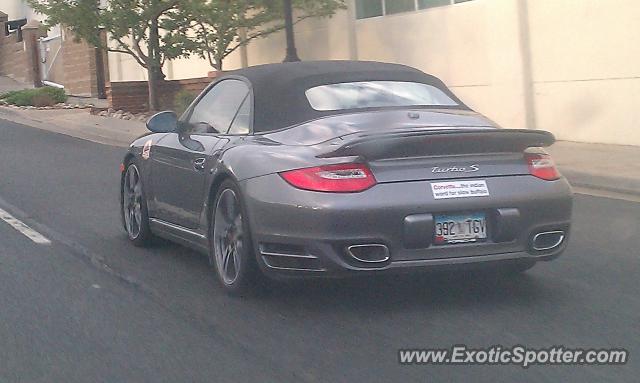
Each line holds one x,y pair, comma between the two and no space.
78,123
63,321
158,314
8,84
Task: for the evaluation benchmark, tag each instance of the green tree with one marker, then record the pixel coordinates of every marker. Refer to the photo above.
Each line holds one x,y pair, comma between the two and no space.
212,29
142,29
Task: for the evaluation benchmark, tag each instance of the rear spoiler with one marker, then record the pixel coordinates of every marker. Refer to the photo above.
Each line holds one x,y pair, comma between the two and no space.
441,142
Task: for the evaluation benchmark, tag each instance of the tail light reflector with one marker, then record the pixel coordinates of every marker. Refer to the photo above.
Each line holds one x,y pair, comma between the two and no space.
541,165
340,178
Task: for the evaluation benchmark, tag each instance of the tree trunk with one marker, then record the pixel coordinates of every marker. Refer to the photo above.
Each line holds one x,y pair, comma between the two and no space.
154,72
292,53
152,84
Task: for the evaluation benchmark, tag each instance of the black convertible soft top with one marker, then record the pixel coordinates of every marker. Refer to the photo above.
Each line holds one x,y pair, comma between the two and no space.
279,89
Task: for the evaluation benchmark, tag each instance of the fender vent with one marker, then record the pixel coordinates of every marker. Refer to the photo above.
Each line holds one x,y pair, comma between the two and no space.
289,257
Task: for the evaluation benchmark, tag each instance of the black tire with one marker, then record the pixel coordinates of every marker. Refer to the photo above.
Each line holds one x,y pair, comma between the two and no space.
133,207
230,244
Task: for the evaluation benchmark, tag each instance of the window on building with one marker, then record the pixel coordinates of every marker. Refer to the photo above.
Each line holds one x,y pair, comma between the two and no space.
373,8
397,6
423,4
368,8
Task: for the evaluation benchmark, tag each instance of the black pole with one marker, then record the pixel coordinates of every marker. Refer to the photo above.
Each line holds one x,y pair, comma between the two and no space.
292,54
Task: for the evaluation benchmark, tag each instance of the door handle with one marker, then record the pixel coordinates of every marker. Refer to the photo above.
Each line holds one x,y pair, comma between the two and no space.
198,163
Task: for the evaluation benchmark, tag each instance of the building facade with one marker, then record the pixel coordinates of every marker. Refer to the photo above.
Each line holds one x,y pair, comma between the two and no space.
568,66
19,9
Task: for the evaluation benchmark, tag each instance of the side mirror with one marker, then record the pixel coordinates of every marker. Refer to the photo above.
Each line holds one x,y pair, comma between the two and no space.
163,122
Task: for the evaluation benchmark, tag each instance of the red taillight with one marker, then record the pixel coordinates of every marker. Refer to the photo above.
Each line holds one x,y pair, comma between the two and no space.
542,166
341,178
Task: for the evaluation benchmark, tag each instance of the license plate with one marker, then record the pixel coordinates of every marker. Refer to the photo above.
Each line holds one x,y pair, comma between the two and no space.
460,228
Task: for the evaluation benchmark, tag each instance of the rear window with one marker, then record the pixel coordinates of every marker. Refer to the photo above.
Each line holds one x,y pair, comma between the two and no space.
375,94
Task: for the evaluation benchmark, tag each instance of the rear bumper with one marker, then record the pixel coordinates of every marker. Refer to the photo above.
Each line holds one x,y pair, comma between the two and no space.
298,233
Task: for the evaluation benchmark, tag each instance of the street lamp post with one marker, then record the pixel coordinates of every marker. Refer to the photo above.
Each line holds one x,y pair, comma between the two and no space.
292,54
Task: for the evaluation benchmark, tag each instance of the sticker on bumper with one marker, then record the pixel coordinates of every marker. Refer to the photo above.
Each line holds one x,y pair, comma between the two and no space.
459,189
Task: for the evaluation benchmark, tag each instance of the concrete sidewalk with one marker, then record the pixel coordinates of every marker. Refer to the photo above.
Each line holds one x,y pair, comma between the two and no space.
8,84
597,166
612,168
78,123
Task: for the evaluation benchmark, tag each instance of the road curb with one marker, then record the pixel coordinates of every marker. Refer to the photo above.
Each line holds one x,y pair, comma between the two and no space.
89,128
602,182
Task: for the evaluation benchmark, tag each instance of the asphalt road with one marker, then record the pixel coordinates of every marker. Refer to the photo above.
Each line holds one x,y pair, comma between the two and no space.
89,307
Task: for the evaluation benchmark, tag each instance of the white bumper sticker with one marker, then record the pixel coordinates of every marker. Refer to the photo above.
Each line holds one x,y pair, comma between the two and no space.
459,189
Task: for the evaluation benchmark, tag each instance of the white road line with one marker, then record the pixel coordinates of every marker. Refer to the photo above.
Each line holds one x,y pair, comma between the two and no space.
23,228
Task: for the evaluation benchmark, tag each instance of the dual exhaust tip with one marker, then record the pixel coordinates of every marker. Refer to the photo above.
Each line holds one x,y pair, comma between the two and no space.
547,240
369,253
378,253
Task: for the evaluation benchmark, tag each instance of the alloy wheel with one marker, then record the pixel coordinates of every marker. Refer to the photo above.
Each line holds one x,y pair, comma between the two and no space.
132,202
228,236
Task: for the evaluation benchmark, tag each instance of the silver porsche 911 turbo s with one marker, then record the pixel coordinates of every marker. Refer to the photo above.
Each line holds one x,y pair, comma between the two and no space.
340,168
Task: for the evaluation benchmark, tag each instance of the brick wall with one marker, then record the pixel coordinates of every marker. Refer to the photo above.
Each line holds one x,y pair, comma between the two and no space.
18,59
75,67
79,58
13,58
132,96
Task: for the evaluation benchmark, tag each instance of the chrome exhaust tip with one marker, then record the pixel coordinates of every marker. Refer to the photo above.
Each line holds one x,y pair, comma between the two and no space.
369,253
547,240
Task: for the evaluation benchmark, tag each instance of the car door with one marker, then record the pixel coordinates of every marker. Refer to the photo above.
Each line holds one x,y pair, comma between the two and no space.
180,159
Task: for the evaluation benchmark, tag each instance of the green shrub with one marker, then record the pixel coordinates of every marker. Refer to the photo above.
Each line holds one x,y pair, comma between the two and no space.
182,100
58,95
45,96
42,99
21,97
7,94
